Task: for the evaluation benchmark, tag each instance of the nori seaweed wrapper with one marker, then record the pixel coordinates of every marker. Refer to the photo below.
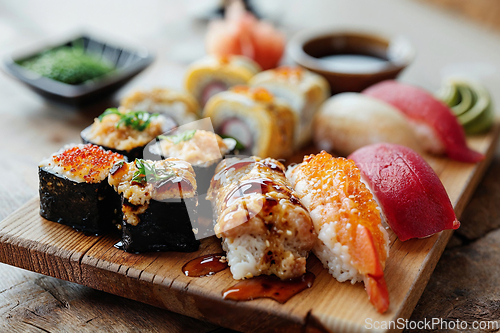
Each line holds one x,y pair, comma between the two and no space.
164,226
130,155
94,208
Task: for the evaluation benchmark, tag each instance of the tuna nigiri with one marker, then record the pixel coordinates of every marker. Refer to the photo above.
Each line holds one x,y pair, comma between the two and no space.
437,128
352,242
412,198
348,121
240,33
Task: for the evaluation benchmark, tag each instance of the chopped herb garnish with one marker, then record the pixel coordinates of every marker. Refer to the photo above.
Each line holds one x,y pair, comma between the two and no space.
239,145
176,138
138,120
149,173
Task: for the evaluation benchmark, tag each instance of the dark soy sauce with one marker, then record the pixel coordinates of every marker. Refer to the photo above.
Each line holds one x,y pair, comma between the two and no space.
268,286
205,265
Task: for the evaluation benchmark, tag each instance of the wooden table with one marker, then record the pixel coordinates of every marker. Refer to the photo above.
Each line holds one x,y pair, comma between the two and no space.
31,129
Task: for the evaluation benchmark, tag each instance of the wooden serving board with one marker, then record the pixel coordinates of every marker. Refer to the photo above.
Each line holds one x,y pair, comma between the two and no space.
33,243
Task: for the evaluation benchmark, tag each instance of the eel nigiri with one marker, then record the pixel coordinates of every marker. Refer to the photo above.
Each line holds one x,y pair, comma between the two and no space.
437,128
412,198
263,226
352,243
348,121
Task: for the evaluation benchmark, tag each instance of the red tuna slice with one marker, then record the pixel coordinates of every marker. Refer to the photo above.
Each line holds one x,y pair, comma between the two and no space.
412,198
421,107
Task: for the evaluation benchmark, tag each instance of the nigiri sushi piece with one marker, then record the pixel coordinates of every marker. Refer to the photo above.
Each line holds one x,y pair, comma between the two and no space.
214,74
241,33
412,198
437,128
263,226
304,90
349,121
352,243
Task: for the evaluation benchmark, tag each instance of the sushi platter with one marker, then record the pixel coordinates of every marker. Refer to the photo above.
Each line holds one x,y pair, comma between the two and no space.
252,197
29,241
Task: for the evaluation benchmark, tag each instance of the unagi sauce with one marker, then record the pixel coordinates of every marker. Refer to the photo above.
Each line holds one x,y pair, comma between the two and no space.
205,265
268,286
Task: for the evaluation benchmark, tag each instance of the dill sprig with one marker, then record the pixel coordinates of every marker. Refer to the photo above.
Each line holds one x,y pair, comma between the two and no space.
177,138
149,173
138,120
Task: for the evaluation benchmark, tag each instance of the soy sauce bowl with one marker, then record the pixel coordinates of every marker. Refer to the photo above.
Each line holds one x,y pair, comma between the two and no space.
351,61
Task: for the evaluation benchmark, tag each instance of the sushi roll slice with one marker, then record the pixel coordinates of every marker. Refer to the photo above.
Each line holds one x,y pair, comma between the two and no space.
180,106
214,74
74,189
352,243
263,226
202,149
263,124
125,131
159,202
305,91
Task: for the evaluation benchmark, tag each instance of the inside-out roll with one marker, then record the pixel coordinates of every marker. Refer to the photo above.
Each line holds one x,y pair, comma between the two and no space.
263,124
180,106
305,91
210,75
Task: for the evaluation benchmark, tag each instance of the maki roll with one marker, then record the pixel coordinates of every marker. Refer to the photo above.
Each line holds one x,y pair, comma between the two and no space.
214,74
126,132
202,149
181,107
305,91
159,201
263,226
263,124
74,190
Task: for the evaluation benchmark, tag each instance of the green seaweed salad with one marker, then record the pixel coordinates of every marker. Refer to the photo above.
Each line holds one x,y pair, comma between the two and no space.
67,64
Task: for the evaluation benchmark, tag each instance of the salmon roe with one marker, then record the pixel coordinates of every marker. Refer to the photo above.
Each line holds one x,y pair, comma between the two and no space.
258,94
87,162
290,72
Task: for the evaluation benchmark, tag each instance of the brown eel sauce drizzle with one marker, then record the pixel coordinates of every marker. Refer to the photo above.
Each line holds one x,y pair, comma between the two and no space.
268,286
205,265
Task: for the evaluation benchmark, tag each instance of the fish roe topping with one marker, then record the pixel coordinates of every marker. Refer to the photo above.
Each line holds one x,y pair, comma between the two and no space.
290,72
332,190
258,94
83,163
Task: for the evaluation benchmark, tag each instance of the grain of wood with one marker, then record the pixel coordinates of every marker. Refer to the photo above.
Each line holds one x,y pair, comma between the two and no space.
30,242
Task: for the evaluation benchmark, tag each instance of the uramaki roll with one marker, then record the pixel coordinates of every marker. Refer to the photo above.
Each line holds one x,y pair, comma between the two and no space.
262,124
215,74
305,91
180,106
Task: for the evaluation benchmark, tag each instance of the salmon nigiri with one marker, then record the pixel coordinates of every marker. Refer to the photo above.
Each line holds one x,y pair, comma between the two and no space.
412,198
436,126
241,33
352,243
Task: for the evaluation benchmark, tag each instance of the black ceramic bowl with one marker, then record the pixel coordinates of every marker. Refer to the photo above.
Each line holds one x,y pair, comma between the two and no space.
128,62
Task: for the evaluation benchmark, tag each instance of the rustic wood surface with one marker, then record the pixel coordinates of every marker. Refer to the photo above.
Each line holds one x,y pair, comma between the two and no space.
33,243
30,129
